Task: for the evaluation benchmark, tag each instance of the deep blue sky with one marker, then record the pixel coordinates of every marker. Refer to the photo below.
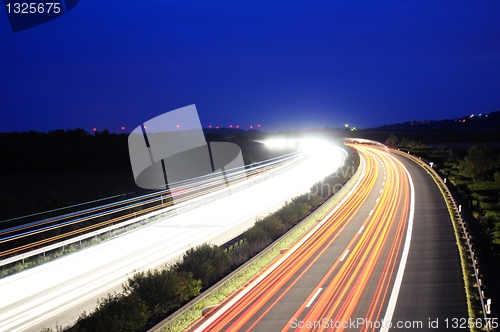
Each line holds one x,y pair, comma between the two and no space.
285,65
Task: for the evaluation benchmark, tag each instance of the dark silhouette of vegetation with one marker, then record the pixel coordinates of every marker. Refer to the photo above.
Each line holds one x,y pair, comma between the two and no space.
60,151
392,140
163,290
206,262
406,143
478,163
117,312
490,122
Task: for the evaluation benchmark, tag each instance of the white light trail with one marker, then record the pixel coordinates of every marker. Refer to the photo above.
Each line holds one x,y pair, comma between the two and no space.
56,290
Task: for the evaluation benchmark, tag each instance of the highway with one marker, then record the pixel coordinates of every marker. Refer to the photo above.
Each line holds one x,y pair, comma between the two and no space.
384,258
58,291
18,238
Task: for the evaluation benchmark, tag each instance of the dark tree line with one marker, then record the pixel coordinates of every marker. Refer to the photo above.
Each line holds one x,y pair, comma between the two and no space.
60,151
37,168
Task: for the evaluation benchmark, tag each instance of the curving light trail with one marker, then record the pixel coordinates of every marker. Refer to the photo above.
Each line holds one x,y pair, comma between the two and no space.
22,238
344,270
60,290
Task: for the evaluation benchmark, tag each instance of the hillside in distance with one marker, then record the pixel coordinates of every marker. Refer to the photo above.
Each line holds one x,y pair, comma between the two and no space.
481,122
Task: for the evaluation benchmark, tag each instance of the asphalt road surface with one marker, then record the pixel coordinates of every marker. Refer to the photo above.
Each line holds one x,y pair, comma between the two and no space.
386,257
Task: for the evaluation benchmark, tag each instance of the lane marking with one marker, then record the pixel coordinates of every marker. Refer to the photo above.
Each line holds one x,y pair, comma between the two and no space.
235,299
383,183
314,297
345,254
377,200
380,190
371,212
361,229
404,257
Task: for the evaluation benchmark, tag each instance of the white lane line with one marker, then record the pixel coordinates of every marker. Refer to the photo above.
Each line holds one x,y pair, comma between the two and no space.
404,257
378,198
345,254
380,190
313,298
235,299
371,212
361,229
383,183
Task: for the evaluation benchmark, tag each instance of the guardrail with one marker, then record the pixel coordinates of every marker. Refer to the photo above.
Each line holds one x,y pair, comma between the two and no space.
62,244
457,212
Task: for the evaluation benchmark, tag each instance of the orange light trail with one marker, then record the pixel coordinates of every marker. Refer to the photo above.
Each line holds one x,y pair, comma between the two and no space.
357,286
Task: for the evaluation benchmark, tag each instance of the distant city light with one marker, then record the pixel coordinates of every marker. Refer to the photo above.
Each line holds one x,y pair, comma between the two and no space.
177,126
346,125
95,129
230,126
209,126
258,125
237,126
217,127
251,127
123,127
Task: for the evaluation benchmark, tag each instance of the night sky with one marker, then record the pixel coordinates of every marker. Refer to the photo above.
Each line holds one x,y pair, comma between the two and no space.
286,65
